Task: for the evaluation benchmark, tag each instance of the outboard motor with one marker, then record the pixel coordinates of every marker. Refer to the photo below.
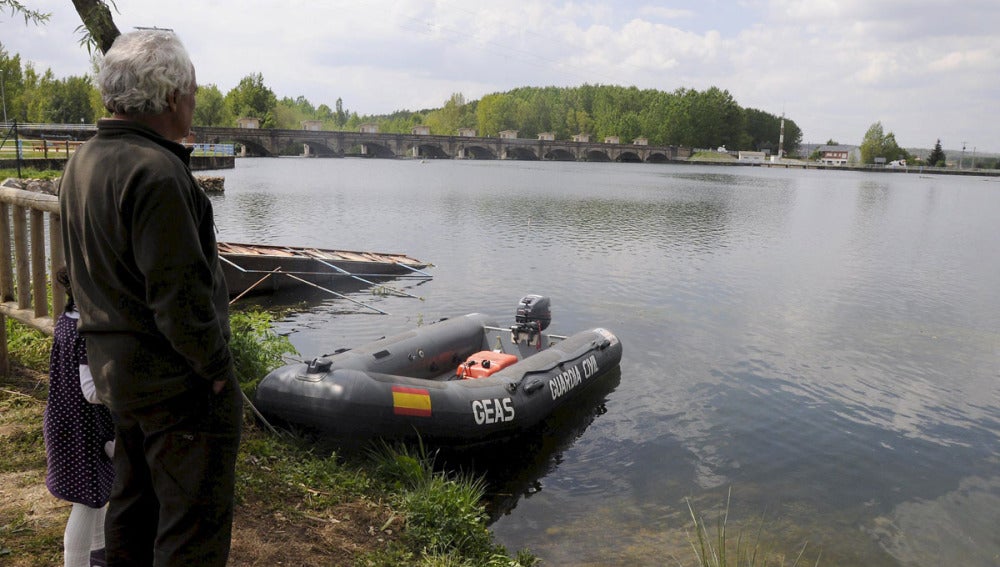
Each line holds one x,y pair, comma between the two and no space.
533,316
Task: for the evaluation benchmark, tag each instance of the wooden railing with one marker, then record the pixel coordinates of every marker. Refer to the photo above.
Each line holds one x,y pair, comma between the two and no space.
30,252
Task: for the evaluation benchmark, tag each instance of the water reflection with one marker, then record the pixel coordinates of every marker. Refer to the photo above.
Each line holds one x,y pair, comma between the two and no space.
516,469
825,343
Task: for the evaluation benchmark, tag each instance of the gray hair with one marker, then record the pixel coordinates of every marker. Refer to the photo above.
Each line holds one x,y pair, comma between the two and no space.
141,70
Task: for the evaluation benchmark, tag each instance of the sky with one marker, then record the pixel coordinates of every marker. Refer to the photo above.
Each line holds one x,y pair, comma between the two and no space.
927,70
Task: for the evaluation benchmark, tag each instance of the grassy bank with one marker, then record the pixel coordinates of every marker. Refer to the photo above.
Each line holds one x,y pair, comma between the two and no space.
30,173
295,504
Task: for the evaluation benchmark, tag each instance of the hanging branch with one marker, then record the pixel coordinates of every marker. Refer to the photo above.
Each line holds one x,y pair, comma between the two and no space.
99,29
30,16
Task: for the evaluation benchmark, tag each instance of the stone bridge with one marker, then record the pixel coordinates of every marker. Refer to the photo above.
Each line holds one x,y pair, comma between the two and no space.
272,142
269,142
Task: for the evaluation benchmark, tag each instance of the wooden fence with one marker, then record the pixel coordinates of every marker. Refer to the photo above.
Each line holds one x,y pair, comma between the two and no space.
30,252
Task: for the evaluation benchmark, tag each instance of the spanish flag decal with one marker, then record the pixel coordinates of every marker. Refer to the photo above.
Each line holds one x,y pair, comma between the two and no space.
411,401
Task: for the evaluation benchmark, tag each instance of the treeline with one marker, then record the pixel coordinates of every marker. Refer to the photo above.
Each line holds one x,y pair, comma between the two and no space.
684,117
30,96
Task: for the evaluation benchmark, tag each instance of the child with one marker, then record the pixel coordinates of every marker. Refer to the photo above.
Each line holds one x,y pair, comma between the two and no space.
79,440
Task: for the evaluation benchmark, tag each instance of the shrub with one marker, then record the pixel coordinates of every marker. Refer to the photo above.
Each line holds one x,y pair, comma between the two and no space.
256,348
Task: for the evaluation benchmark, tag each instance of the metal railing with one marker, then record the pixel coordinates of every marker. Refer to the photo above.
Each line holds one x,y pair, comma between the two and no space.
43,126
212,149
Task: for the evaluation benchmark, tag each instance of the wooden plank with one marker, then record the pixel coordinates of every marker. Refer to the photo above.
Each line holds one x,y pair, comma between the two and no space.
22,262
6,265
58,261
26,316
30,199
4,354
39,276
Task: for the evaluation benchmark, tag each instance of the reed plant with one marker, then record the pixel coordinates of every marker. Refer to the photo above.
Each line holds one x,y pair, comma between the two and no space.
719,550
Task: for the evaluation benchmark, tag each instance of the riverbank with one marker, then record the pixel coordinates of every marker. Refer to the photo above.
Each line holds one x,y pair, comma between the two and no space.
208,163
32,520
294,504
198,163
809,165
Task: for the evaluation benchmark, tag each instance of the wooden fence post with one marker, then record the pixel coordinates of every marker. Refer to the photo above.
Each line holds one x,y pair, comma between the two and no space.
24,289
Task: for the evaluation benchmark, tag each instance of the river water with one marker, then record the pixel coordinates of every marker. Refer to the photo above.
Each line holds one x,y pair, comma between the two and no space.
824,346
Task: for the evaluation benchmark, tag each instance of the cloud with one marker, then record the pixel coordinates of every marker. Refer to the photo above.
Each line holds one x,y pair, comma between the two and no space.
834,66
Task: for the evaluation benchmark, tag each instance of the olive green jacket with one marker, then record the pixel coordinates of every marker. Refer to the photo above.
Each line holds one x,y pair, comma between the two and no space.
144,267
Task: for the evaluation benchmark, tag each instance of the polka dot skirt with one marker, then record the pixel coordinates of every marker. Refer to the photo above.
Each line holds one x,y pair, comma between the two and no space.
75,430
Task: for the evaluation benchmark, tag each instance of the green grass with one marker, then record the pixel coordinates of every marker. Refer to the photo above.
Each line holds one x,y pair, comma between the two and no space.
711,156
31,348
445,522
28,538
256,348
30,173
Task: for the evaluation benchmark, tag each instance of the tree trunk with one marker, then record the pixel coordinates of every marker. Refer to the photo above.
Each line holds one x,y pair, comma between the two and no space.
96,17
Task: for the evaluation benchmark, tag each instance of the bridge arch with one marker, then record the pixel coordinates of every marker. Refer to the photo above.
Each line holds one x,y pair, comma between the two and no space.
477,152
597,155
559,154
629,157
520,153
318,149
371,149
657,157
253,148
433,151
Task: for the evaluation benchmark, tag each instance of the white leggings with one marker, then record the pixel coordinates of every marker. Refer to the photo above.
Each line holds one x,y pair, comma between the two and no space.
84,533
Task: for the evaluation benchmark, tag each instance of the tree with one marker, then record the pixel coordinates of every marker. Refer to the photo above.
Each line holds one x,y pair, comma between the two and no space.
98,26
871,145
793,137
210,107
878,144
71,101
341,116
496,113
251,98
289,114
13,85
450,117
937,157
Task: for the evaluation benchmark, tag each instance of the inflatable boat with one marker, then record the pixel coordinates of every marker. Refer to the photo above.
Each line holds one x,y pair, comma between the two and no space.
463,380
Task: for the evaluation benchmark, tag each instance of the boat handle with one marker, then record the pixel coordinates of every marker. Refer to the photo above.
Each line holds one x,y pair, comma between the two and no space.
533,386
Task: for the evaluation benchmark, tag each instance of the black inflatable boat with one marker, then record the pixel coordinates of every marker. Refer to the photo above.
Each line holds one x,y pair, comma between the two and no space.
463,379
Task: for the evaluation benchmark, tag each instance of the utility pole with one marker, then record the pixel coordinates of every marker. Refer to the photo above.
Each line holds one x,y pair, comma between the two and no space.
3,95
781,138
961,159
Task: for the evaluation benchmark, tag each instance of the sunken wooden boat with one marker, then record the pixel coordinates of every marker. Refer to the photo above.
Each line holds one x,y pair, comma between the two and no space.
259,268
460,381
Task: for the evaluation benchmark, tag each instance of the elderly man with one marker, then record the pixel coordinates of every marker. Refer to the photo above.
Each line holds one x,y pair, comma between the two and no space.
141,252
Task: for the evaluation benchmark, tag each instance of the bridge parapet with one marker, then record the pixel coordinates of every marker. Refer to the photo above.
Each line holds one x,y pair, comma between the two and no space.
272,142
379,144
